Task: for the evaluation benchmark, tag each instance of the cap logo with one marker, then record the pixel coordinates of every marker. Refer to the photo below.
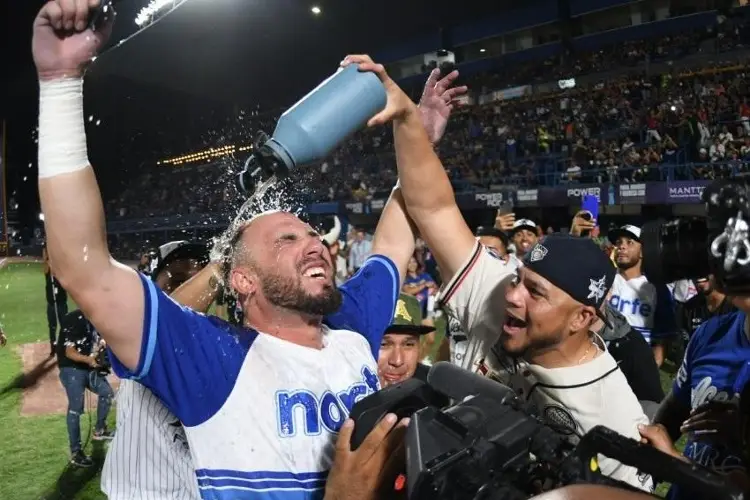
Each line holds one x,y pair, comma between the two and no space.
402,312
597,288
538,253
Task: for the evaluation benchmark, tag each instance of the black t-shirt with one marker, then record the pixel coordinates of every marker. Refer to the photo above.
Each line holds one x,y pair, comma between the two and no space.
77,332
636,360
695,312
54,292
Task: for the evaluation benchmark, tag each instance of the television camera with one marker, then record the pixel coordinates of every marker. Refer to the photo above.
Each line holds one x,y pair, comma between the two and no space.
696,247
487,446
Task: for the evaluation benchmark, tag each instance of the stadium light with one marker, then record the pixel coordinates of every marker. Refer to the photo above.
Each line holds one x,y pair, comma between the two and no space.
315,10
153,7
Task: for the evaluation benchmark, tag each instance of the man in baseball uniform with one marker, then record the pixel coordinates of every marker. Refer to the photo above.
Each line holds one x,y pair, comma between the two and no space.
535,322
149,457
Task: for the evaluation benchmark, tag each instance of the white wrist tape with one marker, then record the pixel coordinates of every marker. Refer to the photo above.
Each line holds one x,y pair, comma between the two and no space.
62,135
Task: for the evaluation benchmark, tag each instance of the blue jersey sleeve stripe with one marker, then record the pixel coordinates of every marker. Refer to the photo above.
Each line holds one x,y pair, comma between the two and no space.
151,315
388,263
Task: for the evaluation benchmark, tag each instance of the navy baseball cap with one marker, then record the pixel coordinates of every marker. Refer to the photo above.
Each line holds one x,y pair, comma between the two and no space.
577,266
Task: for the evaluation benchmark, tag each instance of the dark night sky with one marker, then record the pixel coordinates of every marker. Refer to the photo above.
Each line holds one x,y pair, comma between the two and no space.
249,52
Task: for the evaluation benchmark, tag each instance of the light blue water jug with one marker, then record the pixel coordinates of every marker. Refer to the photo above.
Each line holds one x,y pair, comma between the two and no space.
316,124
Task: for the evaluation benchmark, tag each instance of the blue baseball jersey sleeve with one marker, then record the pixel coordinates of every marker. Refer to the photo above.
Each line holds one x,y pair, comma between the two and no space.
369,301
714,361
185,352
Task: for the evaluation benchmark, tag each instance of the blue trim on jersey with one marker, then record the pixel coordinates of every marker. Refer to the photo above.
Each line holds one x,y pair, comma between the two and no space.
369,301
237,494
296,476
224,484
149,341
190,361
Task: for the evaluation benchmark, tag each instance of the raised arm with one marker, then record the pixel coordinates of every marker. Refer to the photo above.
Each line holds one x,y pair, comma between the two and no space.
395,235
427,192
109,294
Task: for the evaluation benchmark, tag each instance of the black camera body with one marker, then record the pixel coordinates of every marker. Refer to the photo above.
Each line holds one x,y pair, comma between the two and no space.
104,367
696,247
487,446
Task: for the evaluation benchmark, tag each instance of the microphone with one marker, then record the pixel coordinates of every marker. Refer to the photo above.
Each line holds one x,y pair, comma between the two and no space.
458,384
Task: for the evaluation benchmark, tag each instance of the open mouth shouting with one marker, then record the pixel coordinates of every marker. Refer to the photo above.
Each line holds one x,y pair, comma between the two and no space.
513,325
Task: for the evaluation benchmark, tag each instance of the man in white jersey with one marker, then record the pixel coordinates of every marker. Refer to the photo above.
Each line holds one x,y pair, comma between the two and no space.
565,370
647,307
260,405
149,458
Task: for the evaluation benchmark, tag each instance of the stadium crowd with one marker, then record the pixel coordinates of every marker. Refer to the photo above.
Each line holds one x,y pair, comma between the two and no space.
580,340
634,125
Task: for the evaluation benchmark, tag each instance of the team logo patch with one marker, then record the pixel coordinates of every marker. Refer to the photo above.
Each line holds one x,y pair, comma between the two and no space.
597,288
538,253
559,418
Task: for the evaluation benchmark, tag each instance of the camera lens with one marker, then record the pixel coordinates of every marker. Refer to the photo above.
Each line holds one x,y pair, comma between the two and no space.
675,250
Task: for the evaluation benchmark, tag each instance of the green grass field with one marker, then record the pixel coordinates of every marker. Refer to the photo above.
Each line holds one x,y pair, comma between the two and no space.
34,458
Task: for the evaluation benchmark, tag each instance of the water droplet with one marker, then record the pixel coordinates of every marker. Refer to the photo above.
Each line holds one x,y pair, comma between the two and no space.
29,164
24,178
91,118
98,122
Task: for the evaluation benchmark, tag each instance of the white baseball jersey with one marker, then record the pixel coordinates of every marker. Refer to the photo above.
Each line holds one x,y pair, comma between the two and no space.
578,398
261,414
474,300
647,308
148,458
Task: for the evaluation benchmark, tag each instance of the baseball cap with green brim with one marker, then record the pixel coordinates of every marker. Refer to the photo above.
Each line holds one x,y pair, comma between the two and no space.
408,318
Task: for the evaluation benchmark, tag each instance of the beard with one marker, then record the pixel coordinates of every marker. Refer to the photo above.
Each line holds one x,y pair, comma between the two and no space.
624,266
287,293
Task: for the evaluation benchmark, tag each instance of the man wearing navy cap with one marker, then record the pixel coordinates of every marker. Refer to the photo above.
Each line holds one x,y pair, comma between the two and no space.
557,364
541,315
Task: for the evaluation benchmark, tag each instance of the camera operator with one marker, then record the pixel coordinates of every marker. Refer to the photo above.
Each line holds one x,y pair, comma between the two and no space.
647,307
83,365
702,403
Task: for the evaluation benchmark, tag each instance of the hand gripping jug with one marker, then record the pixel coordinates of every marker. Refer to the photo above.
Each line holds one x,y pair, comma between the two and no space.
312,128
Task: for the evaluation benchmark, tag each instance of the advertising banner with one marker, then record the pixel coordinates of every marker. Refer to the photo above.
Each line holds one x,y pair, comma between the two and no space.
527,198
632,194
671,193
570,195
